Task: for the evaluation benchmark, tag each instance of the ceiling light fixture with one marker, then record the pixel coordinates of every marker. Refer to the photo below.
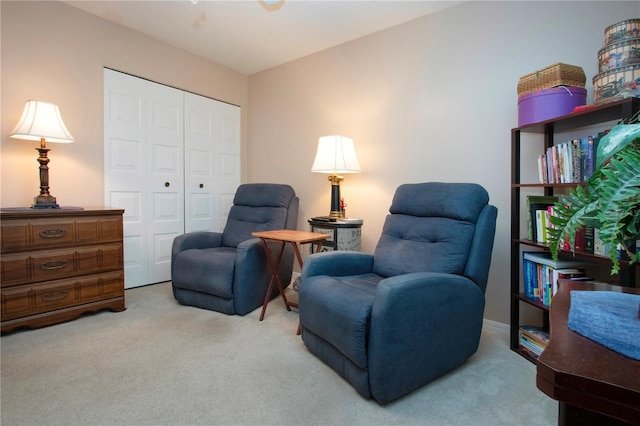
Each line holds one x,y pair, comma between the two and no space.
271,5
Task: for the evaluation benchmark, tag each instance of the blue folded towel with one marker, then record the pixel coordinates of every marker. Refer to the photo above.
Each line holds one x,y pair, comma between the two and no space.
608,318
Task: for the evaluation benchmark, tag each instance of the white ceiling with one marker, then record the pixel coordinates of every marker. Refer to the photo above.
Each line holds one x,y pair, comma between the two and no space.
244,36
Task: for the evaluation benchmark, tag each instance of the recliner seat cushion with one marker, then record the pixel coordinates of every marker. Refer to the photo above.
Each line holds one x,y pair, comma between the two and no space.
207,271
338,310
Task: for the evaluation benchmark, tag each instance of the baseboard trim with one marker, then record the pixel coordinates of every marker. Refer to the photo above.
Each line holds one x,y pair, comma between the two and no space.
496,325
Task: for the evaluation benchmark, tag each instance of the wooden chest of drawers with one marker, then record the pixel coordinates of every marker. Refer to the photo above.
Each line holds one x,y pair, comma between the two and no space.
58,264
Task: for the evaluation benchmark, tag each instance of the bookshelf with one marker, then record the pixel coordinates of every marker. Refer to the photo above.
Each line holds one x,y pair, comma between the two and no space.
542,134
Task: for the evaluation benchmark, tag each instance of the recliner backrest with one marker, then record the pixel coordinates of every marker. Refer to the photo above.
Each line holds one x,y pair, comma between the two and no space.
430,229
259,207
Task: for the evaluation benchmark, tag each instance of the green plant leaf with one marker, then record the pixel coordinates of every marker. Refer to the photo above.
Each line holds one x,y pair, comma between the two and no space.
617,138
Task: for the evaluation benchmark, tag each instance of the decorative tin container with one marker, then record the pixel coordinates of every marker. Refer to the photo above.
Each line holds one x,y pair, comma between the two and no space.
549,103
618,55
554,75
622,31
616,84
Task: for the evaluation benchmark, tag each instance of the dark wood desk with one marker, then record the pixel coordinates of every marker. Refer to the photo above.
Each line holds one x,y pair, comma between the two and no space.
593,385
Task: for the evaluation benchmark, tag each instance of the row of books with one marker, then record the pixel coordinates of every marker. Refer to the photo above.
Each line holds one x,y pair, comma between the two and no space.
533,340
540,275
587,238
569,162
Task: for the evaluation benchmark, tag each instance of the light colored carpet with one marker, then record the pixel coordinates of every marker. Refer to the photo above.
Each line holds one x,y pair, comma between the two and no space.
162,363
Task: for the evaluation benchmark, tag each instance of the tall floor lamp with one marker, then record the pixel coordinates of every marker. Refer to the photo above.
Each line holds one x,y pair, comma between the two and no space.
336,155
42,121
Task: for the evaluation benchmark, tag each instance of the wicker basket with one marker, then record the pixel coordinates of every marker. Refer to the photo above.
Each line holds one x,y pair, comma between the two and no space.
554,75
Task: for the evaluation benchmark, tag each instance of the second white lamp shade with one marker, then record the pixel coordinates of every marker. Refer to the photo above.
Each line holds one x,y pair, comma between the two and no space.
336,154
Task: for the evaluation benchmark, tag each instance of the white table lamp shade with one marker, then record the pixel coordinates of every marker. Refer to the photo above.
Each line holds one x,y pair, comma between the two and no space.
42,120
336,154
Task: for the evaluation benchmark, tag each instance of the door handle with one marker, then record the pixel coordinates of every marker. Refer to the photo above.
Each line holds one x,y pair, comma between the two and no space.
167,184
201,186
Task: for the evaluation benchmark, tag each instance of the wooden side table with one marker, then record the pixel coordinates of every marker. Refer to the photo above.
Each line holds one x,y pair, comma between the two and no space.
593,384
284,237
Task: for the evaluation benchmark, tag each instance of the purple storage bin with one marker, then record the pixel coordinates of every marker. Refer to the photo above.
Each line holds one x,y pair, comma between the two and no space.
549,103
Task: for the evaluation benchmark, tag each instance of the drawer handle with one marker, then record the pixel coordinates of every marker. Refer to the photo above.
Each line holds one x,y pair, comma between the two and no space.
54,265
55,295
53,233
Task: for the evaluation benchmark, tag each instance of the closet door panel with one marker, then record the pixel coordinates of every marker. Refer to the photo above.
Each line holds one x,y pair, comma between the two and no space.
125,166
165,139
212,162
200,157
228,153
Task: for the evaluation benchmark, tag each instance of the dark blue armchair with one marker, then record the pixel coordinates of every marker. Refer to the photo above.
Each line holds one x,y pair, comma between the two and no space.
228,272
392,321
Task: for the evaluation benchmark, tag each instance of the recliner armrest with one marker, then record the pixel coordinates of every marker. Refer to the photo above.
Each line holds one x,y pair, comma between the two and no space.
196,240
434,321
337,263
248,248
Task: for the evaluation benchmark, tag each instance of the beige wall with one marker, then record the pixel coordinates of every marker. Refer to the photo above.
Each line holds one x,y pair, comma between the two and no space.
55,53
430,100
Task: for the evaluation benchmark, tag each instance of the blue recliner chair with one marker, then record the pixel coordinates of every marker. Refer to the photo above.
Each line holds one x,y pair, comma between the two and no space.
228,272
391,322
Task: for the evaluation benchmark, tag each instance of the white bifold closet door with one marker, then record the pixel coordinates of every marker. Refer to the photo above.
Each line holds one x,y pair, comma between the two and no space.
212,161
172,162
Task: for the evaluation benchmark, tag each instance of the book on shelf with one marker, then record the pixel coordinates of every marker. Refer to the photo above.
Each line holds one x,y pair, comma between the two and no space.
545,258
528,351
576,163
535,203
532,340
532,348
588,239
541,225
536,334
579,240
599,247
542,169
540,275
584,157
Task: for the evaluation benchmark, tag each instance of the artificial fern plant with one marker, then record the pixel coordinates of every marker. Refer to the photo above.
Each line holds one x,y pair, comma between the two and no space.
610,199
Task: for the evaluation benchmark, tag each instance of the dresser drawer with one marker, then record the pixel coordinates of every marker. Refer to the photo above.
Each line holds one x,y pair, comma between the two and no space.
32,299
21,268
23,234
48,233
